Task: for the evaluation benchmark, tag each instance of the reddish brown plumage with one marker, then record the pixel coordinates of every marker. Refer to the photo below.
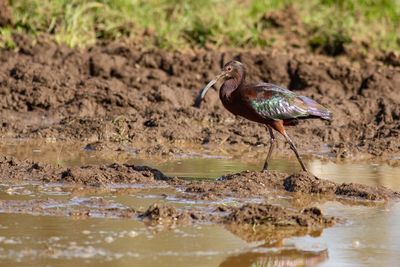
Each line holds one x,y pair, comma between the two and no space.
264,103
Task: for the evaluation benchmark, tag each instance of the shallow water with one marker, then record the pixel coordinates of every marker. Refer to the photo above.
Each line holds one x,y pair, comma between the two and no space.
368,235
206,165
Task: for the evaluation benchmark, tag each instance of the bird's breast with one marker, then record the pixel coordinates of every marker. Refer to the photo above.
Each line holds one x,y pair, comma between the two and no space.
231,101
238,105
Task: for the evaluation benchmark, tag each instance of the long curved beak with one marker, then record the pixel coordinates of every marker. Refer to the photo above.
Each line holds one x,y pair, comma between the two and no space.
203,92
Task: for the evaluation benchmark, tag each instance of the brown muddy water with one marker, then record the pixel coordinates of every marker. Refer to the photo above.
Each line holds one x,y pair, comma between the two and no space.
366,236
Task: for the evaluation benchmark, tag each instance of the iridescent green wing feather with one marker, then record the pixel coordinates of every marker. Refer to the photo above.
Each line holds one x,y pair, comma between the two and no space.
277,103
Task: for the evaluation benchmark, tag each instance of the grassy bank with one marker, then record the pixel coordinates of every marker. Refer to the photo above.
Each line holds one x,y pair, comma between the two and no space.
325,24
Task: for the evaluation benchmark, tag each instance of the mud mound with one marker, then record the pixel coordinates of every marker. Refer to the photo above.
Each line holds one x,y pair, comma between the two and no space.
392,58
360,191
308,184
275,216
244,184
253,214
251,184
12,169
109,174
119,93
98,175
158,213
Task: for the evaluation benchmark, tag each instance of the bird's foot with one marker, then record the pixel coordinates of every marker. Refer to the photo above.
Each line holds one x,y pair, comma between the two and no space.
306,170
317,178
265,167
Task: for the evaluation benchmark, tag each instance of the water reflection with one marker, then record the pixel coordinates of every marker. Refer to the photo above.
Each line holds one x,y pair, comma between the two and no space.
283,257
368,173
46,240
272,252
369,235
73,154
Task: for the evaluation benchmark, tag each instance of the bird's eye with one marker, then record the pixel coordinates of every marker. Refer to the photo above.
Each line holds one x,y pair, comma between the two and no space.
229,68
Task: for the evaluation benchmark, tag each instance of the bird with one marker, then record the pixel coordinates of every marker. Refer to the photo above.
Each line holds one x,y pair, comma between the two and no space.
265,103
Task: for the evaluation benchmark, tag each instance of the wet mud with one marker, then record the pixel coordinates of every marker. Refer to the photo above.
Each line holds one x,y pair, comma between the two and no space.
118,97
246,184
5,13
13,170
253,184
95,207
115,94
253,194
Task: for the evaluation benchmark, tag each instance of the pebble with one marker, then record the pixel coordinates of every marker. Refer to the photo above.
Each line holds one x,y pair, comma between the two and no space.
132,233
109,239
356,244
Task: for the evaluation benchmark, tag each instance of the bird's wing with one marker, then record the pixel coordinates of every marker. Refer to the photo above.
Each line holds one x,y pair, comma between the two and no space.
269,87
276,103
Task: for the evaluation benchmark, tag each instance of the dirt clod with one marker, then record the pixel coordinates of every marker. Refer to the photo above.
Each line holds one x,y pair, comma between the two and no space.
163,212
306,183
365,192
265,214
109,174
15,170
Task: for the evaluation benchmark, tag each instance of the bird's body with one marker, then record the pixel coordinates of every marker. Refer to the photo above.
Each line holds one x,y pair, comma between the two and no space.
267,103
264,103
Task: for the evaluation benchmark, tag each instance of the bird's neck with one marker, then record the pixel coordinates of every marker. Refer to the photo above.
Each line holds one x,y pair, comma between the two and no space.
229,86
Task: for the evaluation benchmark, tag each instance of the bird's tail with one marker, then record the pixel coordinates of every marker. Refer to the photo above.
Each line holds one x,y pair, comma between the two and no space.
315,109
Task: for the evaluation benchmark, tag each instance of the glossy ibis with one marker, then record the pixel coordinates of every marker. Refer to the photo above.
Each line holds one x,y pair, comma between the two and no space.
264,103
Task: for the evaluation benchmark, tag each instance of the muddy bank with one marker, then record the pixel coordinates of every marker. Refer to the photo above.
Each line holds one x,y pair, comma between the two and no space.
118,94
13,170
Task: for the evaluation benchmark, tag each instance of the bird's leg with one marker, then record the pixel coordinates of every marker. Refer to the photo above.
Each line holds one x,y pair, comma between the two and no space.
293,147
271,147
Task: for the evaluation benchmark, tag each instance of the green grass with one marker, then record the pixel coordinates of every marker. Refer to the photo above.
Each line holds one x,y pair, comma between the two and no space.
332,24
175,24
6,40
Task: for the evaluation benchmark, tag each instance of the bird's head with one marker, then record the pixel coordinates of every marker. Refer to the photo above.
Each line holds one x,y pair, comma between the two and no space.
231,70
